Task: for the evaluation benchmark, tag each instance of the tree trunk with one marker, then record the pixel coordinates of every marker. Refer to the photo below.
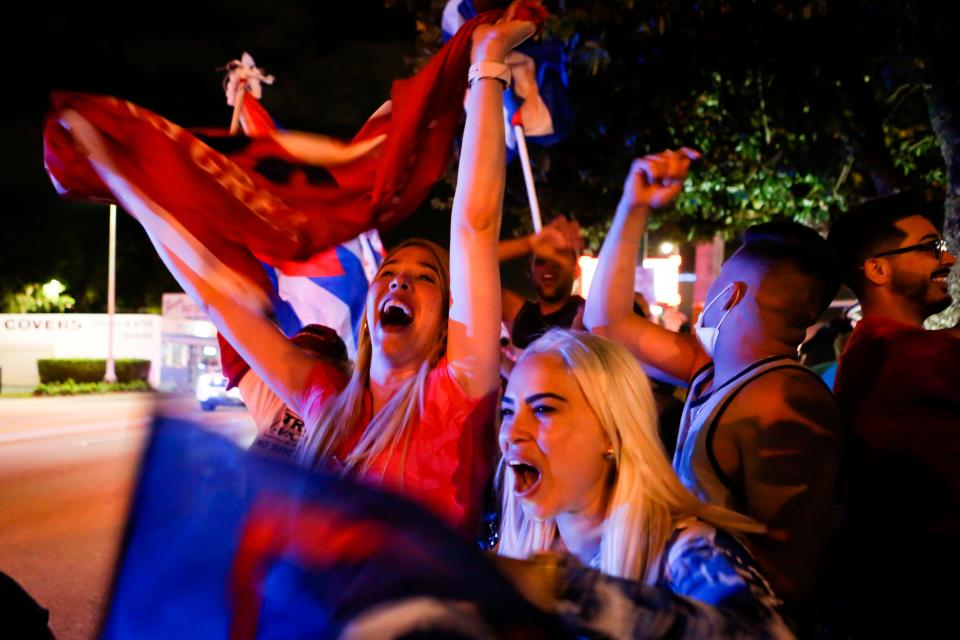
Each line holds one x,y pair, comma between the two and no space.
857,116
942,92
862,135
943,104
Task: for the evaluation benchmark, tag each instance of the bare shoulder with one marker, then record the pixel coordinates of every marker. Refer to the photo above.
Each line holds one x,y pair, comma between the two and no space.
786,399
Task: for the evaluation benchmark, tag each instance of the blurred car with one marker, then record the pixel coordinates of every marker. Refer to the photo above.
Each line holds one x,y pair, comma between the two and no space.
212,391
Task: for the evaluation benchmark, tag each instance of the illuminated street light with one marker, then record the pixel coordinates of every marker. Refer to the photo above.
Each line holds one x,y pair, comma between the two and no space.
666,248
666,279
588,264
52,290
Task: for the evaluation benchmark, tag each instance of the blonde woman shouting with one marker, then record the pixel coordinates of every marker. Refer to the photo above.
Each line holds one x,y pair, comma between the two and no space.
417,413
584,474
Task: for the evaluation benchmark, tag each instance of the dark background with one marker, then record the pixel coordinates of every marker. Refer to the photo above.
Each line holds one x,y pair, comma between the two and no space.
800,108
333,62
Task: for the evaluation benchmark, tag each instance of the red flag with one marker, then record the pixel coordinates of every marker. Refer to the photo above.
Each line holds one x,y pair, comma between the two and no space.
254,118
215,201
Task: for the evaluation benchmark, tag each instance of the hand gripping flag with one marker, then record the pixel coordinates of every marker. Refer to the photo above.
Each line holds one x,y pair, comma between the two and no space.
330,289
223,204
224,544
245,78
538,98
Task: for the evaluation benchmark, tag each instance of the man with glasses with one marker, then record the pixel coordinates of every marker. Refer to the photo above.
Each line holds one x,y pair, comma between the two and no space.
899,388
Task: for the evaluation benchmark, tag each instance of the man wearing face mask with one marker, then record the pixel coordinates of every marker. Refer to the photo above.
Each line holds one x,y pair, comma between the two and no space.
760,434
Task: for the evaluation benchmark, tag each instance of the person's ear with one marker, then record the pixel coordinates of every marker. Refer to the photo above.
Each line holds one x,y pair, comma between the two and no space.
877,271
608,452
737,293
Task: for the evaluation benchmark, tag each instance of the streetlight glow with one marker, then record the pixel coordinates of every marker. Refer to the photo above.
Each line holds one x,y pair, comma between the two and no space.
53,289
588,264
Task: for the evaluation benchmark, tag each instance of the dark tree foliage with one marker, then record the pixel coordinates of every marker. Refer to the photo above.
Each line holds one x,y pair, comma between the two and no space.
800,107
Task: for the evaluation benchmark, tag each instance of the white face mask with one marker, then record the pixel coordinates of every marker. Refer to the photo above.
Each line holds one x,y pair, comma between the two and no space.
708,335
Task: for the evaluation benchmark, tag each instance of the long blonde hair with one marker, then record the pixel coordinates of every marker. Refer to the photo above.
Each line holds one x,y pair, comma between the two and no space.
389,428
647,500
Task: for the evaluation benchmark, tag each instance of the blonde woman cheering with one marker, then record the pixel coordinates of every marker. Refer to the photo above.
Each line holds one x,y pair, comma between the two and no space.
417,413
584,473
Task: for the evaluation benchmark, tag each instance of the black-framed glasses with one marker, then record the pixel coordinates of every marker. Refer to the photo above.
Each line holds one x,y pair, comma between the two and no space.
937,247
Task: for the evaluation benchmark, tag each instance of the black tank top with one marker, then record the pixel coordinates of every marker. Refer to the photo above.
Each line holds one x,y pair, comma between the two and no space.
530,324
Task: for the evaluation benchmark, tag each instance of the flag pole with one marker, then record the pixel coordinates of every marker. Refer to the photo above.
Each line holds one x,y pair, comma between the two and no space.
528,177
248,77
110,374
237,104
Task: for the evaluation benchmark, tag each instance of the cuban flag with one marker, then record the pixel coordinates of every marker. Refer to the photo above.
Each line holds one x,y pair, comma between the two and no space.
224,544
330,291
331,288
539,95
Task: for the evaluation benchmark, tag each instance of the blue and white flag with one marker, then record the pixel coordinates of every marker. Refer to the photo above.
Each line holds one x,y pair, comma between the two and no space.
330,290
538,97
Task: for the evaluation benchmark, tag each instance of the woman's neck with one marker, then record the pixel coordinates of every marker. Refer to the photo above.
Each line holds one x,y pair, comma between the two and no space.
581,535
386,378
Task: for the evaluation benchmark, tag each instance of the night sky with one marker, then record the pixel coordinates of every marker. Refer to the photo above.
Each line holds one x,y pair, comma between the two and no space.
333,62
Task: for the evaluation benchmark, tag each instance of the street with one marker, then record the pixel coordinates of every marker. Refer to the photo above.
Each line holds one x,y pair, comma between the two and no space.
67,468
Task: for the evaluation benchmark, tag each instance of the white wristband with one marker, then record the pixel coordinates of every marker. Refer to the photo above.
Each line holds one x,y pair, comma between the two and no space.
487,69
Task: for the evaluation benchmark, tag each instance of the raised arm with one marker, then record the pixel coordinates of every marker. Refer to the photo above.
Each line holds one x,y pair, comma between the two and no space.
510,302
473,334
551,242
277,361
280,364
654,181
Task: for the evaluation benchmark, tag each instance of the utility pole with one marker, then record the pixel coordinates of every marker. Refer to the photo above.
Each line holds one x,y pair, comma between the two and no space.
111,375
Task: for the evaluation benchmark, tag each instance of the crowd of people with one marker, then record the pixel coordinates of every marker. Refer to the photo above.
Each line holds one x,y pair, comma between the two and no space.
786,510
789,508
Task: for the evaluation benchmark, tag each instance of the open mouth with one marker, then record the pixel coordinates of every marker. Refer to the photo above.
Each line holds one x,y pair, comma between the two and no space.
395,314
526,477
940,277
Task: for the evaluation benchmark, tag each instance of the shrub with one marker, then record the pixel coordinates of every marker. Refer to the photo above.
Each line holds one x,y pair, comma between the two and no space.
71,388
91,370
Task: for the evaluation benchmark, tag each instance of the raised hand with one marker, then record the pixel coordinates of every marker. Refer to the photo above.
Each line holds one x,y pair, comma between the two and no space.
492,42
560,236
655,180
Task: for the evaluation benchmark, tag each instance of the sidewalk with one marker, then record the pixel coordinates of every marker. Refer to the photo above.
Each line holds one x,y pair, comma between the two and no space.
14,391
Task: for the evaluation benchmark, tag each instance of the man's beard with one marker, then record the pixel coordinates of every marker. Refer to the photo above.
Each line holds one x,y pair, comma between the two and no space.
561,292
917,290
